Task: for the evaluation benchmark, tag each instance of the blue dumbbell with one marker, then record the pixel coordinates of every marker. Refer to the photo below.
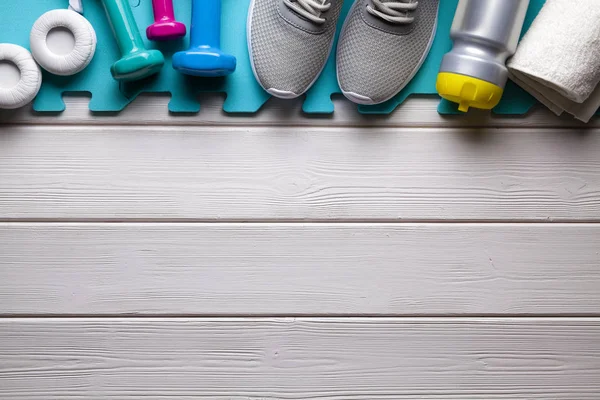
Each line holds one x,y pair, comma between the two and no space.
205,58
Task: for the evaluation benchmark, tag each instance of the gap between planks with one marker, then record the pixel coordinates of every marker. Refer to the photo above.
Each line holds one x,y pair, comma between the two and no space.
562,319
454,317
291,221
283,222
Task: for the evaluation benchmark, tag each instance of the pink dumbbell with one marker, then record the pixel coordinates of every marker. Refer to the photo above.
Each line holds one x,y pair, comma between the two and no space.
164,27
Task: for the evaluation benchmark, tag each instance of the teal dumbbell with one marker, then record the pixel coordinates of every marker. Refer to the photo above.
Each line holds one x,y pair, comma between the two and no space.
136,62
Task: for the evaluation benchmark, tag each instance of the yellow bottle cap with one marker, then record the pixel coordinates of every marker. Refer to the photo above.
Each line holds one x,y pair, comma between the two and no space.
468,91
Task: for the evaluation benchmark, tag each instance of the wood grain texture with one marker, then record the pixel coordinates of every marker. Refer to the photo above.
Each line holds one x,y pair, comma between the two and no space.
416,112
300,358
299,269
237,174
372,185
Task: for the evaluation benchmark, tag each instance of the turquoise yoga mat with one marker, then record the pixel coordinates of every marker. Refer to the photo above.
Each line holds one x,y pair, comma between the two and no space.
244,95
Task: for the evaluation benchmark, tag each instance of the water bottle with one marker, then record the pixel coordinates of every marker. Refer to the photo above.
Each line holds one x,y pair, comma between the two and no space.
485,34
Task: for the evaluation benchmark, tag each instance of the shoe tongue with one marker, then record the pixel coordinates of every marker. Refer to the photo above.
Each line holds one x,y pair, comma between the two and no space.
322,2
400,1
397,1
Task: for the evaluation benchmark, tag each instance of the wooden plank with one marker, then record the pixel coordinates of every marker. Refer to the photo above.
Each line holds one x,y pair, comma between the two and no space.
416,112
300,358
232,174
299,269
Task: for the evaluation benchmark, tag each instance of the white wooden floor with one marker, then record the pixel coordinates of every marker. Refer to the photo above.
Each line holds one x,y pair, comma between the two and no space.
277,256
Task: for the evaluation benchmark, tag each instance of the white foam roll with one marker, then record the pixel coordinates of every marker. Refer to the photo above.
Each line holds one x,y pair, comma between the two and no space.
31,77
78,58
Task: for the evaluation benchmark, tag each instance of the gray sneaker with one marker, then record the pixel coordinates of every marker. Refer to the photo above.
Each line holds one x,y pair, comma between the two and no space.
382,45
289,42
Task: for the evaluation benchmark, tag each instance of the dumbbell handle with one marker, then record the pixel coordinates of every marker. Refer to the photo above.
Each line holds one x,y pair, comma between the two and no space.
124,26
163,10
206,23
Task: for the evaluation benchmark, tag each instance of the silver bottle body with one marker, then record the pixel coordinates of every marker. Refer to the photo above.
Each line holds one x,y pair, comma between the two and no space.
485,34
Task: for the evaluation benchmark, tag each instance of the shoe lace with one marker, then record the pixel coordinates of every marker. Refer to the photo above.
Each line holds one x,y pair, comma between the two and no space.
395,12
309,9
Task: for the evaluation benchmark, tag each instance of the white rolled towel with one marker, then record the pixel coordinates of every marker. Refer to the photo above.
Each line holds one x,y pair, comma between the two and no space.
558,59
